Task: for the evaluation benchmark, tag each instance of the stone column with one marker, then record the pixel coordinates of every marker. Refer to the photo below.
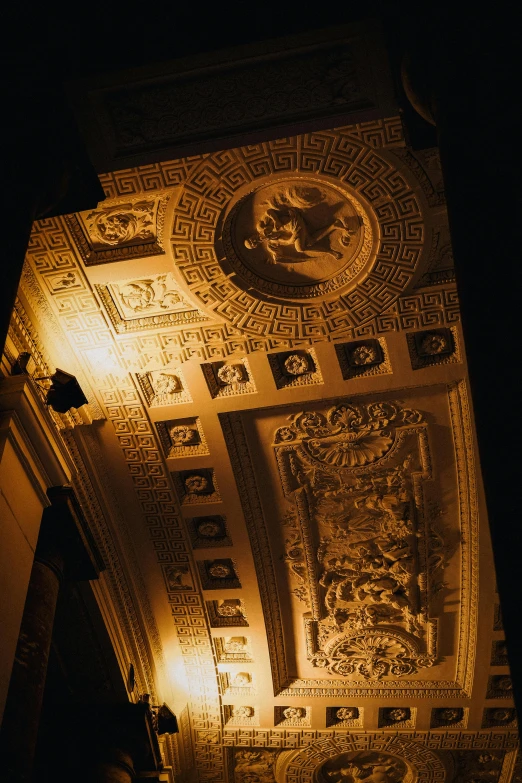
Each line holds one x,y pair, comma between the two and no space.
65,549
26,688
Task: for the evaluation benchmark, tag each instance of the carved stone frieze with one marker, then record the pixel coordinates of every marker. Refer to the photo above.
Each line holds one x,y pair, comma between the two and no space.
365,553
146,303
118,231
254,766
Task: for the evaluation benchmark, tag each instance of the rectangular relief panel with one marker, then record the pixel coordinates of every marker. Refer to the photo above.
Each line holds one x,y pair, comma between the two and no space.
362,518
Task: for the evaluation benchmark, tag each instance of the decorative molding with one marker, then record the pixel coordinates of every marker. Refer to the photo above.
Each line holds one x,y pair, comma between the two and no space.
240,715
295,368
284,684
361,358
226,379
449,717
500,686
433,347
208,532
345,717
146,303
499,653
499,718
292,716
237,684
218,574
119,231
196,486
164,387
233,649
397,717
182,437
227,612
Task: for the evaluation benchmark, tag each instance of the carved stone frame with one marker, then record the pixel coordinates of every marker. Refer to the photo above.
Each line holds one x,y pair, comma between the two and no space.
284,684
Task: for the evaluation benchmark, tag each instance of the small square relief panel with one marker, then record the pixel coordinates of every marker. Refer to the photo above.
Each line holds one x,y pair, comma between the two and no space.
397,717
228,378
178,578
449,718
218,574
344,717
292,716
147,303
363,357
164,387
196,486
233,649
226,612
499,653
182,437
433,346
208,532
500,686
118,231
240,715
295,368
237,684
499,717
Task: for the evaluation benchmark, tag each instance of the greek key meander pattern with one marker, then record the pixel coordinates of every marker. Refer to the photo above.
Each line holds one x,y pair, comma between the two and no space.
79,314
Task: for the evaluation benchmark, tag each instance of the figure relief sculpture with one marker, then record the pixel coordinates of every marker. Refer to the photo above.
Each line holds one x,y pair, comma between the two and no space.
367,766
368,593
284,231
146,295
254,766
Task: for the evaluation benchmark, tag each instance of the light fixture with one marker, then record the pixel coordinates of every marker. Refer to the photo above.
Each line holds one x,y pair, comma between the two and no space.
64,393
163,719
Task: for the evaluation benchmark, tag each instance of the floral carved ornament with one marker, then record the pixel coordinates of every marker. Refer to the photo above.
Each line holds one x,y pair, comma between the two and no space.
362,581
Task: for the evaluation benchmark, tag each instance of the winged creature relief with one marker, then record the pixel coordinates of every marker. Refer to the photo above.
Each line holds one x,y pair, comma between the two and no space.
284,231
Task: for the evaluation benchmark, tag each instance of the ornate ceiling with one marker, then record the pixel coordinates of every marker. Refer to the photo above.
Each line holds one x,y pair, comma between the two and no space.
278,458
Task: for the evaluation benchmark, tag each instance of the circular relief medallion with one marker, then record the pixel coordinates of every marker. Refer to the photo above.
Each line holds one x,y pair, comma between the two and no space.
299,237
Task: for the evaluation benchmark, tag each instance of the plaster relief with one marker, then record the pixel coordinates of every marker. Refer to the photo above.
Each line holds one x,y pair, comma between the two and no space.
113,232
146,303
372,555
